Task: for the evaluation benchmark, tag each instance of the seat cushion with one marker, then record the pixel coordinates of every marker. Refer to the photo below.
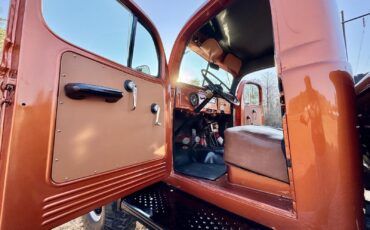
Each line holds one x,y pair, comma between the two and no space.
258,149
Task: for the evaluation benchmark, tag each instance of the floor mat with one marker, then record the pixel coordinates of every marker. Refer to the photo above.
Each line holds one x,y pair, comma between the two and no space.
204,171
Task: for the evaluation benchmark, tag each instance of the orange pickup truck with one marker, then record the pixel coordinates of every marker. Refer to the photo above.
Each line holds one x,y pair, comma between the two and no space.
91,113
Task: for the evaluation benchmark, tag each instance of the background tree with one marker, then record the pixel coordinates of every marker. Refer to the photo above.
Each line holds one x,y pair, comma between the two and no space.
2,35
195,81
268,80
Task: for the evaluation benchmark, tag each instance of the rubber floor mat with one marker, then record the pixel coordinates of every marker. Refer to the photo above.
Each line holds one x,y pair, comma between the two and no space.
204,171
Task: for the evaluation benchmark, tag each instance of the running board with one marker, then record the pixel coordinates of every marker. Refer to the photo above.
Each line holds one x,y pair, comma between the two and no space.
162,206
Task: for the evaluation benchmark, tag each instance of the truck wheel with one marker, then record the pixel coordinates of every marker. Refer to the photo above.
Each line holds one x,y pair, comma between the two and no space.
94,220
108,217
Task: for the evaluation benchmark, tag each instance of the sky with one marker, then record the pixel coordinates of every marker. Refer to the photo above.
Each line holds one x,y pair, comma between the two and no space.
4,7
358,36
169,16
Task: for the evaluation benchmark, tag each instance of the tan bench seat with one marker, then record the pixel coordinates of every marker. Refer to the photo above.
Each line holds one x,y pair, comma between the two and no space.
254,155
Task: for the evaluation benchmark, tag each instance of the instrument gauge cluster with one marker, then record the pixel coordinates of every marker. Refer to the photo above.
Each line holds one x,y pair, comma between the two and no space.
189,97
194,99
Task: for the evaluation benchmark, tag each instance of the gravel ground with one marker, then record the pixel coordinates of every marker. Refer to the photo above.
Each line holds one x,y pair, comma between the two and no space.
77,224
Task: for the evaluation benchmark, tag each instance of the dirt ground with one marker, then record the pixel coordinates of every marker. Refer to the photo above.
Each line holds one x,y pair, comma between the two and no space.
77,224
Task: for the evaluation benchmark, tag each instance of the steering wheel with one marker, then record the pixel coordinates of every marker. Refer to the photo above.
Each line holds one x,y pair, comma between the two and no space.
218,90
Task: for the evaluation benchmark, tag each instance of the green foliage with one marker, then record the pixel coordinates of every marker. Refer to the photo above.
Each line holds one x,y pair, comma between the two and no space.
2,37
251,94
195,81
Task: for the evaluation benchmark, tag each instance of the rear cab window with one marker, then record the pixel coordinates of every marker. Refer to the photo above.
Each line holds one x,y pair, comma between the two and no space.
251,94
105,28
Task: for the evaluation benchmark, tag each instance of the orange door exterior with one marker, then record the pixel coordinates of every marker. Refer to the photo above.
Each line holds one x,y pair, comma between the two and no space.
74,138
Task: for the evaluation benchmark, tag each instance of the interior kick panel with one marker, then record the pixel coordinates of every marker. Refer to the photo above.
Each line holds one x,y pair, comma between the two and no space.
253,115
162,206
97,130
184,92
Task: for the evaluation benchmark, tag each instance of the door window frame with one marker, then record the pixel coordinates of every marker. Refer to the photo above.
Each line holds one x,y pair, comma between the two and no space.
131,48
137,16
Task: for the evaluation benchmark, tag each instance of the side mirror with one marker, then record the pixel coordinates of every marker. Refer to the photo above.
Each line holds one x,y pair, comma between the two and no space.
143,68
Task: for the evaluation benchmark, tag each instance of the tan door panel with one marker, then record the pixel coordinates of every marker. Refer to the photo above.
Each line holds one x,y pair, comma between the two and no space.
94,136
253,115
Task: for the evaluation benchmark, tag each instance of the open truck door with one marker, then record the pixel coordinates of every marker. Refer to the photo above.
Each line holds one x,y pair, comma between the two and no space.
86,119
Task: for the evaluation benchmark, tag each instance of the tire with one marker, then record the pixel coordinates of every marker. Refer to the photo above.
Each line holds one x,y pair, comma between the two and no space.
109,218
94,220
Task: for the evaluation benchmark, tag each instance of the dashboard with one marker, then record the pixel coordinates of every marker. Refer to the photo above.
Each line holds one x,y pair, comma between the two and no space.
188,97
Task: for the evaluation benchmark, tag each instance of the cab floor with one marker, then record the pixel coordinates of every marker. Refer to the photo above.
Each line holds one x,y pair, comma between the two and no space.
162,206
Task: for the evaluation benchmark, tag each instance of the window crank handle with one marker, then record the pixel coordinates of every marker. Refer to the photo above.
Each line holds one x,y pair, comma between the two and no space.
134,93
156,109
130,86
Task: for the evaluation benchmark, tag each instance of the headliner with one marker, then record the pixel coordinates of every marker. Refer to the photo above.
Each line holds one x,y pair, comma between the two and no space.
244,29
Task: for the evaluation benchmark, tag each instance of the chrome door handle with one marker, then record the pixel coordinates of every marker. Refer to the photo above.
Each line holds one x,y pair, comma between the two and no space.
130,86
156,109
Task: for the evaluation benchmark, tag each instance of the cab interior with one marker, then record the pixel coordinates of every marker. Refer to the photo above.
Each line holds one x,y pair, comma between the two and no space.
210,144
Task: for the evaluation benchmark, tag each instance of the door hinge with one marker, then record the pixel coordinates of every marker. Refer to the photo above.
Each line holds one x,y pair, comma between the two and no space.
7,86
289,163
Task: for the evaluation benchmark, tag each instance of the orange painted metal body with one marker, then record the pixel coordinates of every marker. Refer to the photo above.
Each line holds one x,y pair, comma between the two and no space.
320,122
319,127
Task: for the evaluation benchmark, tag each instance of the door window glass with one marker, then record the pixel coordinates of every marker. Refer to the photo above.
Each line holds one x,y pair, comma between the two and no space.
145,57
102,27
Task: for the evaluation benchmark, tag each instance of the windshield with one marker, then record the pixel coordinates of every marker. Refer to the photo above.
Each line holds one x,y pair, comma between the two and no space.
190,71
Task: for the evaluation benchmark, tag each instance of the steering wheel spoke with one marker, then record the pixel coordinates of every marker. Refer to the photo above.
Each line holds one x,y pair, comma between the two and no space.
217,88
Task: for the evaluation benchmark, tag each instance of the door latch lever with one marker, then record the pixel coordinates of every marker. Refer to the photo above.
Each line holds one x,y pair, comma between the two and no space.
156,109
130,87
